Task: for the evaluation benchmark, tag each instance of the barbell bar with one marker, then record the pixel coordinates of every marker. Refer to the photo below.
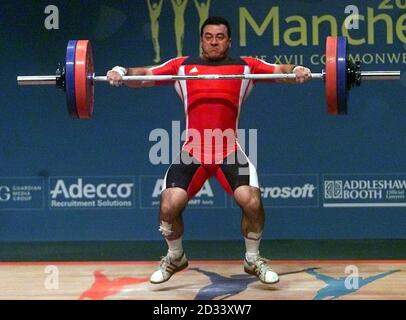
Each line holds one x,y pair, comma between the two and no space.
77,77
51,80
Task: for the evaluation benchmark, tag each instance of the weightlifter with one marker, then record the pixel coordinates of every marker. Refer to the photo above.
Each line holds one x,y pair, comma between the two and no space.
214,106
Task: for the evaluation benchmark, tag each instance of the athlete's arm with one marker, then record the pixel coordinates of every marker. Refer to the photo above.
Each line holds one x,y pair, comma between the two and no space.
302,73
263,67
171,67
115,77
139,72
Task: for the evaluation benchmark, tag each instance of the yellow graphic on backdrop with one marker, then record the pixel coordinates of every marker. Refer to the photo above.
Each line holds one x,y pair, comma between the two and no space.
154,9
203,9
179,7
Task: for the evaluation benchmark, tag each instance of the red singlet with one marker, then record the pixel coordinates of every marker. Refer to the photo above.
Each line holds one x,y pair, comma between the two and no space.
212,107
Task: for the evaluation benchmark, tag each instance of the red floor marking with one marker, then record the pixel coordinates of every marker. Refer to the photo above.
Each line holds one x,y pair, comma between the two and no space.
104,287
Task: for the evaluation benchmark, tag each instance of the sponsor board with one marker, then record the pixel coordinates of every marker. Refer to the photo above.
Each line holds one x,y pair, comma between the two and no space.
22,193
91,192
364,190
211,195
289,190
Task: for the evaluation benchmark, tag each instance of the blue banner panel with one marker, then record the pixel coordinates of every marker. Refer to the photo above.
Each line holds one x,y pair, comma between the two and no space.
321,176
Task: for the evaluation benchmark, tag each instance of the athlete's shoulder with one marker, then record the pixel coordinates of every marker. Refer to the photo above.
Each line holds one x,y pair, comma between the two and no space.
255,62
173,64
177,60
251,59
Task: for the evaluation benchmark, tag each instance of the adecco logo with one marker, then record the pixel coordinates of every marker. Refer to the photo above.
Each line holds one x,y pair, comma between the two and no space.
92,192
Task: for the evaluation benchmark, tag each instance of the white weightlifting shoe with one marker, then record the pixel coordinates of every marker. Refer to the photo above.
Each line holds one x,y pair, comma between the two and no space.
168,267
261,270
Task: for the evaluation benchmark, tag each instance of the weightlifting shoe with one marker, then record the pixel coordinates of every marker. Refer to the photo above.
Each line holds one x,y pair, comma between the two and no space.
168,267
261,270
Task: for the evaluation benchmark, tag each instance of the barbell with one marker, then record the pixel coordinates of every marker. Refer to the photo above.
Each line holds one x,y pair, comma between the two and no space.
77,77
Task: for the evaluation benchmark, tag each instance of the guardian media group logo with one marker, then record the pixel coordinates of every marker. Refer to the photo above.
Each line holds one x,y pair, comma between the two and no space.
91,193
21,193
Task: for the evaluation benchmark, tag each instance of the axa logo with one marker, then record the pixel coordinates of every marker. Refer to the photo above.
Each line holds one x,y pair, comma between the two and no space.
78,189
206,190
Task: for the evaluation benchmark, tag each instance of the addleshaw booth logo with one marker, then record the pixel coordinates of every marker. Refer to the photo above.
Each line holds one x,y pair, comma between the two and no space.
91,192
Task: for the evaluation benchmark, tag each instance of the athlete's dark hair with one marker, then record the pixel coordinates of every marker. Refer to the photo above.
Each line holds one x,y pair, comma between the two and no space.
217,21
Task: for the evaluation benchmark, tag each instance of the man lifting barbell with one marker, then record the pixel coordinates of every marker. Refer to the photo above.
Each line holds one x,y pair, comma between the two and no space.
215,106
78,80
209,105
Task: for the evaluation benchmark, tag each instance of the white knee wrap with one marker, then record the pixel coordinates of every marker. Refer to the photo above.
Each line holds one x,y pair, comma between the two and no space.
165,228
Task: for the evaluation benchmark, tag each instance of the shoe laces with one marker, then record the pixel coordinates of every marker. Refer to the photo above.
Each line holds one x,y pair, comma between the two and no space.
262,266
165,260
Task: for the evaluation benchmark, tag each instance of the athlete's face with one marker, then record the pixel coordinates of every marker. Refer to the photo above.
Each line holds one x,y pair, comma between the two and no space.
215,42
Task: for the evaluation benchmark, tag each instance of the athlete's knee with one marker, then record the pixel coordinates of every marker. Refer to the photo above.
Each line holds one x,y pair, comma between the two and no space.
248,198
254,204
173,201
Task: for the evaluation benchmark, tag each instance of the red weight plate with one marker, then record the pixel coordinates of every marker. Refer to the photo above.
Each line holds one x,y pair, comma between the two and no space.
331,75
84,88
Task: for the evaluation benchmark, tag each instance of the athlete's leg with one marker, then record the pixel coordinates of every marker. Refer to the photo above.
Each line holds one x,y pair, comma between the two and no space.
253,216
183,180
179,185
242,178
173,202
252,225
